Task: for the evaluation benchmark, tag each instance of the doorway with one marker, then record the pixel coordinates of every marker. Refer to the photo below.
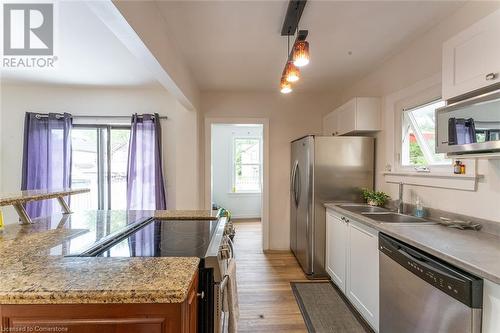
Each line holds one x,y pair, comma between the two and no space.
236,169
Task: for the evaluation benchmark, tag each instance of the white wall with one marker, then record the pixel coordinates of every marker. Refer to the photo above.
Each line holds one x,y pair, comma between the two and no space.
241,205
415,71
148,23
290,117
179,130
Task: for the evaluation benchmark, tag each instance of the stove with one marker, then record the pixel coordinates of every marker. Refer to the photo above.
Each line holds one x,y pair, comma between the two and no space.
208,240
167,239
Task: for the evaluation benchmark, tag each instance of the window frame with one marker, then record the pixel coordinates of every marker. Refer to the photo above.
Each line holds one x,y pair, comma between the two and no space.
419,136
103,130
418,99
232,162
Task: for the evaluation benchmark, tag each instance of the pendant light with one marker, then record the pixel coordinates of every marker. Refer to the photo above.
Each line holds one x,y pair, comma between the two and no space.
292,73
301,53
285,86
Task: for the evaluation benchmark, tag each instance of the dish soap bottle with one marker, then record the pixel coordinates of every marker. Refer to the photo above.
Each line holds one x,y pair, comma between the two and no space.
419,208
457,167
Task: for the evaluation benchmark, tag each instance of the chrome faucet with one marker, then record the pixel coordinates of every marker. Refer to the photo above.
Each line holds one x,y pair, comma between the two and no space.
401,204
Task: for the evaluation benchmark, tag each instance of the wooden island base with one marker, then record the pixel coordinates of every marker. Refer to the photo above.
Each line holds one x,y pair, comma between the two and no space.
105,318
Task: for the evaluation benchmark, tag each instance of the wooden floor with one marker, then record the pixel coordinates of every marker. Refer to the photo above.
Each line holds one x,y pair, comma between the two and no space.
267,303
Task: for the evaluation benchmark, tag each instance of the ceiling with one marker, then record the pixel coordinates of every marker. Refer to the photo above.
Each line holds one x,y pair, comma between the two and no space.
88,54
236,45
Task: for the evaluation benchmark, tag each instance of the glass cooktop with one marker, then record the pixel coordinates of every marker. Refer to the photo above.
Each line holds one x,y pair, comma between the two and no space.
166,239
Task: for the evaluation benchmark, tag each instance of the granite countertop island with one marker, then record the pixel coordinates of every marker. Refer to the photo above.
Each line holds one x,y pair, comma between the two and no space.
34,268
474,251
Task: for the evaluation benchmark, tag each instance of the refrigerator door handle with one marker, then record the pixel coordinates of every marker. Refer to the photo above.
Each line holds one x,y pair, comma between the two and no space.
297,185
293,189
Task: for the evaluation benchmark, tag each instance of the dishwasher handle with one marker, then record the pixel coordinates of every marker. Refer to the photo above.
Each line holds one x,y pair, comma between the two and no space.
425,263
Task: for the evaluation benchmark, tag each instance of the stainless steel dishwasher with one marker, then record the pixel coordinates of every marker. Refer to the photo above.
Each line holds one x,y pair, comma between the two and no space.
422,294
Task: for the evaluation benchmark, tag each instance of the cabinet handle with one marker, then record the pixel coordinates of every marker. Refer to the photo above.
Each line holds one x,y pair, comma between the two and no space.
201,295
491,76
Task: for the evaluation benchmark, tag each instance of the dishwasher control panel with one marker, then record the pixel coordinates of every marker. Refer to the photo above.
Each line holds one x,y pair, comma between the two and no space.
450,280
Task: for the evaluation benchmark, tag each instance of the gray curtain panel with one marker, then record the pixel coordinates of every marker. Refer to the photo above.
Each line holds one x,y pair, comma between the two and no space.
145,184
46,157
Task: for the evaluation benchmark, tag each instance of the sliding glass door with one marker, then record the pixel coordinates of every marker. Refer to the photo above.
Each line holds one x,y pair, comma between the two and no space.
100,156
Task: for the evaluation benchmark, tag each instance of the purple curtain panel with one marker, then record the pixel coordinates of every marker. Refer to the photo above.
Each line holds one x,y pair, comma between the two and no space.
145,185
46,157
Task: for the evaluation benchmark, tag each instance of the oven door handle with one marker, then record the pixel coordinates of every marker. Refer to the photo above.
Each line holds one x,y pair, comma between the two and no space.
231,247
223,284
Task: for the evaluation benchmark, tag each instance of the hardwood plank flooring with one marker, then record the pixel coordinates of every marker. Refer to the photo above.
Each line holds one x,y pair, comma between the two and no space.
267,303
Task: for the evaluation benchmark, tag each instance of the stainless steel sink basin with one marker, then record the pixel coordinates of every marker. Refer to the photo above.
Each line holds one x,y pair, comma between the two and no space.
360,208
390,217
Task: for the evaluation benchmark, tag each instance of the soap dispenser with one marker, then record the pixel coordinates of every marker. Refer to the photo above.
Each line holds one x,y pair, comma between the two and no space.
419,208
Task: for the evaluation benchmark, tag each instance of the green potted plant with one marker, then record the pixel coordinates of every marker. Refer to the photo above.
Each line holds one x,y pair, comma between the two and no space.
374,198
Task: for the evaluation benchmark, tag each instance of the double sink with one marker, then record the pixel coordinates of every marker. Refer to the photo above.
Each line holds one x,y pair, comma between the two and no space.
383,215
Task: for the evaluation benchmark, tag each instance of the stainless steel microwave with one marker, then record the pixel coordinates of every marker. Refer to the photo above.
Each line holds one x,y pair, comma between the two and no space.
471,126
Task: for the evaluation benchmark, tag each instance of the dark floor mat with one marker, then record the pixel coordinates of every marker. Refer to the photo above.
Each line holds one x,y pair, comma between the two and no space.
325,310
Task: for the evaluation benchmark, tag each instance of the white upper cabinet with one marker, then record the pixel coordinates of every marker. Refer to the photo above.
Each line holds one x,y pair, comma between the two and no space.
360,114
330,124
471,59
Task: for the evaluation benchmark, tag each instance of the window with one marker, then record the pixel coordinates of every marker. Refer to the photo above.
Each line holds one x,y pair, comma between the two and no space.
418,136
99,162
247,166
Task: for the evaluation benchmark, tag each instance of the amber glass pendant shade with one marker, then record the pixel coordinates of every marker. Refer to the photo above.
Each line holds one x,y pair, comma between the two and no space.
292,73
285,86
301,53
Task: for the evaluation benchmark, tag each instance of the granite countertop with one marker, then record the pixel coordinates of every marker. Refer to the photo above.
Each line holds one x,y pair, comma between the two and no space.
473,251
33,269
7,199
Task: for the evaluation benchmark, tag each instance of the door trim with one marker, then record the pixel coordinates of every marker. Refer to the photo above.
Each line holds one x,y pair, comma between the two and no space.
208,162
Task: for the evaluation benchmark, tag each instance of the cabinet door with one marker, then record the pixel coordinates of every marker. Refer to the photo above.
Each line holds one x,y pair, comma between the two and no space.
330,124
192,309
346,121
471,59
491,307
336,246
363,271
367,114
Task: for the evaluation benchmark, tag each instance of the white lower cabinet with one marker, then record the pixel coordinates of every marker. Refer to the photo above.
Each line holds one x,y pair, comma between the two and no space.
491,307
352,263
336,250
362,283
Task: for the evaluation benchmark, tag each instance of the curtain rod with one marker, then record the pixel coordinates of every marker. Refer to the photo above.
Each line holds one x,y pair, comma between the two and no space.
59,116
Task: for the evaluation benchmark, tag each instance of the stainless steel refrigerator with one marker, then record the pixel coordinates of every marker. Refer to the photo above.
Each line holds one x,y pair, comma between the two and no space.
324,169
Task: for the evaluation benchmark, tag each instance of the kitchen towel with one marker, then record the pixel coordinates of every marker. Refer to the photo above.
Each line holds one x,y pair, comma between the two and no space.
232,297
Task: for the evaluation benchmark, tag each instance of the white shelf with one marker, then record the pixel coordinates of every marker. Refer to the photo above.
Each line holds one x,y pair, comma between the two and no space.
440,180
